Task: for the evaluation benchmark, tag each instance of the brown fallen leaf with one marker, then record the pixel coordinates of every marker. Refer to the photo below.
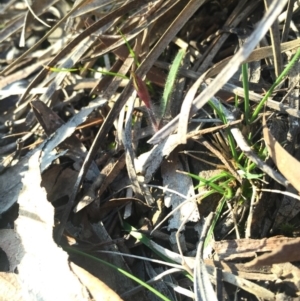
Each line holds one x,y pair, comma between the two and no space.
244,248
286,163
58,182
287,252
48,119
98,289
239,269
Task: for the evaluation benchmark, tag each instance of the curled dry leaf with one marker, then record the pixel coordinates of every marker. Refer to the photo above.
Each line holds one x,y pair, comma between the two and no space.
286,163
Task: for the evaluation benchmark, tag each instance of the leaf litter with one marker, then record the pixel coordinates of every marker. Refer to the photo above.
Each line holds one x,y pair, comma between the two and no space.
82,153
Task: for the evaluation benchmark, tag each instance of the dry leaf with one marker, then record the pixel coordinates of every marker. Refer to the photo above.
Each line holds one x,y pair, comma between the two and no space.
286,252
245,248
184,185
58,182
98,289
47,118
43,270
11,179
286,163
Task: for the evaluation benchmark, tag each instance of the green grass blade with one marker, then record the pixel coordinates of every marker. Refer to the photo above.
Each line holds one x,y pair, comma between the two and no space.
246,92
276,83
213,224
230,138
144,284
208,182
131,51
171,80
236,101
146,241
